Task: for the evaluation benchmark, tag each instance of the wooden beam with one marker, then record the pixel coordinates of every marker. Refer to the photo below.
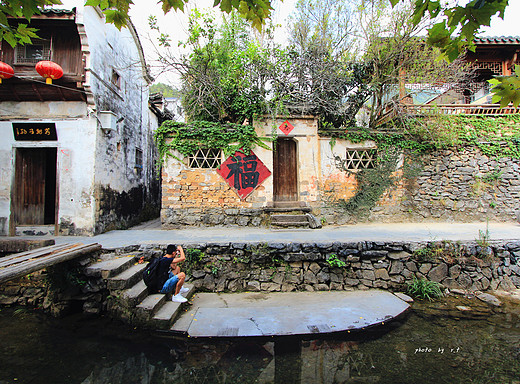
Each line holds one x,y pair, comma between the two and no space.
34,254
16,271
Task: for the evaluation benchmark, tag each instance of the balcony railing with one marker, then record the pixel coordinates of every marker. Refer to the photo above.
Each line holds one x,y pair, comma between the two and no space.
446,109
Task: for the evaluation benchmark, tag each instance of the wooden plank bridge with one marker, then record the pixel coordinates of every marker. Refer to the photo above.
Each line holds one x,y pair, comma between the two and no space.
21,264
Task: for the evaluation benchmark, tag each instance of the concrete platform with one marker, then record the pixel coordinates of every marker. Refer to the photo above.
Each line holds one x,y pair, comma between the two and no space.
286,313
151,234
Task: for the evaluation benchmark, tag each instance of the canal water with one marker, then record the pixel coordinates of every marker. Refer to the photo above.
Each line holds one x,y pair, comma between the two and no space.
434,343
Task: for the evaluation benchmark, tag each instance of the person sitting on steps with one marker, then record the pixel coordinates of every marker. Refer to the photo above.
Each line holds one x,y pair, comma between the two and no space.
170,274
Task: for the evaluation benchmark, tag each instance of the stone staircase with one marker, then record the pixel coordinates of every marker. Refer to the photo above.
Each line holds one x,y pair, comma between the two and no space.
129,298
291,214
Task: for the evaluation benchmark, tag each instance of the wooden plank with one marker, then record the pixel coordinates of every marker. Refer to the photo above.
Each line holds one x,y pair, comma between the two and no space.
7,260
44,262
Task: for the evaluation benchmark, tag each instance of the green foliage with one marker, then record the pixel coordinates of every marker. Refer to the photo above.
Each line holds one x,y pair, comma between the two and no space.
116,12
425,289
494,136
187,138
456,31
334,262
372,183
165,89
193,260
459,23
23,9
506,89
221,79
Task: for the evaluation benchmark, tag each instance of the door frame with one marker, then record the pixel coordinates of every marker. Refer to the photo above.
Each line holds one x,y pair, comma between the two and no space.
296,170
29,145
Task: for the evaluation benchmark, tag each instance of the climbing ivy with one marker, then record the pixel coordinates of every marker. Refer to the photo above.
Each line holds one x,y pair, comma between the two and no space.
372,184
494,136
186,138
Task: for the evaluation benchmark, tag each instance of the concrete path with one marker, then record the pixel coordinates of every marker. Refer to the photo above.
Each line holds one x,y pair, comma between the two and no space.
251,314
150,233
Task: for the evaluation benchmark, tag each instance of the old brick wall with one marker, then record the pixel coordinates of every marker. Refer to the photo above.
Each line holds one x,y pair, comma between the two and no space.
461,185
202,197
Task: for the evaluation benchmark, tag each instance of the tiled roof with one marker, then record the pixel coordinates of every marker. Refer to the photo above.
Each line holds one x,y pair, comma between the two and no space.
498,40
54,11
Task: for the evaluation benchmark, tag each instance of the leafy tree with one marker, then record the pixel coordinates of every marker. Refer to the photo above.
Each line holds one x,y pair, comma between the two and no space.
321,77
223,75
455,31
398,56
165,89
20,34
116,12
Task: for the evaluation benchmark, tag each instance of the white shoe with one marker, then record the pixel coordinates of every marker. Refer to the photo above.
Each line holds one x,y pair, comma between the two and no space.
184,290
179,299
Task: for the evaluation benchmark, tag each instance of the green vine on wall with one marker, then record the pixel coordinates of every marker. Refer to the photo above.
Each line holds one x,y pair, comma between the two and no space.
494,136
186,138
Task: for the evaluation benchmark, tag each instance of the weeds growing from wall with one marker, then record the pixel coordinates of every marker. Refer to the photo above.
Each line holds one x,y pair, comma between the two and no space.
425,289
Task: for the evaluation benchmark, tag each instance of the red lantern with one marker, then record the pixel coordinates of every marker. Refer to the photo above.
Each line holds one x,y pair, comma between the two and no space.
6,71
49,70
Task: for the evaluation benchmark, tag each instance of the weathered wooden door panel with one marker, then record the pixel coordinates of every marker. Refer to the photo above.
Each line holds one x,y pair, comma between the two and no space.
35,186
285,170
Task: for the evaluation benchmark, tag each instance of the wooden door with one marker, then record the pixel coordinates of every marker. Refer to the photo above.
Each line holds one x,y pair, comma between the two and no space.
34,193
285,170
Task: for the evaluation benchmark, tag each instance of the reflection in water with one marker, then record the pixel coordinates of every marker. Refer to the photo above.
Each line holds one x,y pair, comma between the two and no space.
435,344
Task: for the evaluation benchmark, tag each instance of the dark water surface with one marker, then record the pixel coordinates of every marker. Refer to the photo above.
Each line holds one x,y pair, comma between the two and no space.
435,343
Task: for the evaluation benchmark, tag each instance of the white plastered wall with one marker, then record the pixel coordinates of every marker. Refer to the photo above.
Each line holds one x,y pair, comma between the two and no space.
75,158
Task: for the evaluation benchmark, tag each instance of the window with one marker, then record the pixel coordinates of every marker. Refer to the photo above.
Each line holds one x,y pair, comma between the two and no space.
205,158
32,53
360,159
138,161
116,79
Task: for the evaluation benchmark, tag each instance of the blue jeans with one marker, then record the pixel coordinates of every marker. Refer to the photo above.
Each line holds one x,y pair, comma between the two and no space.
170,284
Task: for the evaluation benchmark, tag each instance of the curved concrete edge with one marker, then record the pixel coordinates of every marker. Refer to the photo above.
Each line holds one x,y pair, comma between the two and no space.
290,314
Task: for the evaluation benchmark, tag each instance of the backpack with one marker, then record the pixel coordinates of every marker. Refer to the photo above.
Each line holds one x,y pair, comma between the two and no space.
151,275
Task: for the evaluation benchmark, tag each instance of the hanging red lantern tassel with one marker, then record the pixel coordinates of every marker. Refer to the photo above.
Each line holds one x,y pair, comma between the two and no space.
6,71
49,70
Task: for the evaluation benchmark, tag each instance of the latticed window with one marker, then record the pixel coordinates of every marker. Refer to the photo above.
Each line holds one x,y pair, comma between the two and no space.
360,159
205,158
32,53
493,66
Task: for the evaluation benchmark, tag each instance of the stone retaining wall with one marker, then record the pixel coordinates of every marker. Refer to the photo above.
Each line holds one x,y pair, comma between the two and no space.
273,267
307,266
461,186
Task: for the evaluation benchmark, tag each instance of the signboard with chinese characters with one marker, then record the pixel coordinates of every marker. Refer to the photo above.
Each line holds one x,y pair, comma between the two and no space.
35,132
243,173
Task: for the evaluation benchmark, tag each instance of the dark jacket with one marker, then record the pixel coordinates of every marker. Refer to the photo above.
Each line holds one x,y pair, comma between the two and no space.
164,269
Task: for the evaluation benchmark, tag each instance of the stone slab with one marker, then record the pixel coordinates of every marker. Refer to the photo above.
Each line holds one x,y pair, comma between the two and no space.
287,313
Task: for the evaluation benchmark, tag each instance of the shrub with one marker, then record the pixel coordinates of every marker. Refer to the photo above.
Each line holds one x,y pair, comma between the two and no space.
425,289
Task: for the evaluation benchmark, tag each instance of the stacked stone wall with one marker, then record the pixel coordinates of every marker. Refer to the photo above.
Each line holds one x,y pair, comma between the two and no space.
293,266
452,186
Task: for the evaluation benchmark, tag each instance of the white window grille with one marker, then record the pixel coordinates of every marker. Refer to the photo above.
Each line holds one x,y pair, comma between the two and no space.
360,159
208,158
32,53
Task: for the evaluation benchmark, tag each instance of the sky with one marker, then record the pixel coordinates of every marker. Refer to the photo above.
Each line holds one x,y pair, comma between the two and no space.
176,23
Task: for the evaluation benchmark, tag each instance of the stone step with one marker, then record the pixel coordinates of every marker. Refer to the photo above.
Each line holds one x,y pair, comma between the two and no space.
147,308
168,313
288,209
134,295
287,204
127,278
109,268
290,220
